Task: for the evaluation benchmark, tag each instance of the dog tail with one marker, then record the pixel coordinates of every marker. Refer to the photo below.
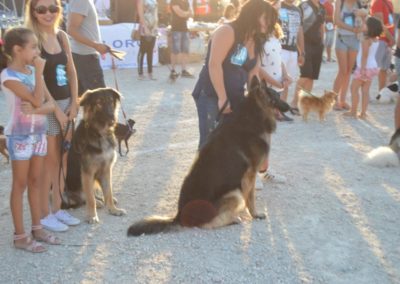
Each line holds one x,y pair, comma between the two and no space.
153,225
382,157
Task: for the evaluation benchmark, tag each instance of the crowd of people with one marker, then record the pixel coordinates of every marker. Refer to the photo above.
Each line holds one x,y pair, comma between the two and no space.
45,70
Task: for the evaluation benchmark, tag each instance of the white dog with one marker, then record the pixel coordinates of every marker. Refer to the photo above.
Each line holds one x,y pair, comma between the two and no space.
388,94
386,156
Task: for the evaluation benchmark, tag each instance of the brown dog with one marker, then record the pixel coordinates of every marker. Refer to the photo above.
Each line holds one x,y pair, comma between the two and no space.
92,154
310,103
3,144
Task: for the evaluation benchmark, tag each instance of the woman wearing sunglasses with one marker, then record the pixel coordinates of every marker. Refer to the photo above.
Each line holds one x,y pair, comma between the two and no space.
44,18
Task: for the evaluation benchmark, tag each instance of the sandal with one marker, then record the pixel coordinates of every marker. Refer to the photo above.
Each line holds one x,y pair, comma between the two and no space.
30,244
47,237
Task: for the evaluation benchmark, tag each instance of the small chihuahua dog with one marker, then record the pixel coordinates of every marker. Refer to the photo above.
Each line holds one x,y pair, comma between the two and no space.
322,105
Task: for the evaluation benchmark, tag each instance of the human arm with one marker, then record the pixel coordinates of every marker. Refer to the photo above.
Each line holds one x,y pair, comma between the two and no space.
300,46
268,79
365,50
74,23
72,77
222,41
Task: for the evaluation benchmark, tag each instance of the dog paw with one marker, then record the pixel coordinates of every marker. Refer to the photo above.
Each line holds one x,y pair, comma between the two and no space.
260,216
237,221
117,211
93,220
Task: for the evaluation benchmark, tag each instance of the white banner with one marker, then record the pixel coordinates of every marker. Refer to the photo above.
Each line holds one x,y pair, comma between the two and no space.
119,37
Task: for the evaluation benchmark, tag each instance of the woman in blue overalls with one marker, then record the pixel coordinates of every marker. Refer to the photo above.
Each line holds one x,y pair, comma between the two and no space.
233,58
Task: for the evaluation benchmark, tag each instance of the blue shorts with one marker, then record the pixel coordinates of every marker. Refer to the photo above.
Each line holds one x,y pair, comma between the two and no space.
180,42
24,147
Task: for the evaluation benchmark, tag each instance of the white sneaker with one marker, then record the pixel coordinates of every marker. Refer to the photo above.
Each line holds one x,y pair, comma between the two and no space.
66,218
271,177
51,223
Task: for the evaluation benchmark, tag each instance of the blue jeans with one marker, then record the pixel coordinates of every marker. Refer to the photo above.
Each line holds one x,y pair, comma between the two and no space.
207,110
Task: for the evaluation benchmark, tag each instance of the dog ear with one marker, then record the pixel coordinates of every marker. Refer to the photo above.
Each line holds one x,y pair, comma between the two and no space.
86,97
116,95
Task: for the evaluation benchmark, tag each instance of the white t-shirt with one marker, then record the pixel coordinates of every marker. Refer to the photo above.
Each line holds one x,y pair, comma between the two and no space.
371,60
272,60
19,123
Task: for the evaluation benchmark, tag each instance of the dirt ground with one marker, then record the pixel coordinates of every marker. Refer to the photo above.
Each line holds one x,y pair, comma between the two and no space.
336,220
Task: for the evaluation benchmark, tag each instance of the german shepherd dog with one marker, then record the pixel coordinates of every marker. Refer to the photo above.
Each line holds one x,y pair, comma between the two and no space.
123,132
220,184
3,144
92,154
386,156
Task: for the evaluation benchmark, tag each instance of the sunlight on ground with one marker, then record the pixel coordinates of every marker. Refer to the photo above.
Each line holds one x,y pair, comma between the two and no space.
353,207
394,193
157,268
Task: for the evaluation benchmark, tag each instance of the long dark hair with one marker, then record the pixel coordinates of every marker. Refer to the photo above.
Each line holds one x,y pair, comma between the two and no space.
15,36
247,24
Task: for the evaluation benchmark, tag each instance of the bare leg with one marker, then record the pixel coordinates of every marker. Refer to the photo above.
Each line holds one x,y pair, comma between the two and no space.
355,87
382,78
365,99
20,171
397,114
35,176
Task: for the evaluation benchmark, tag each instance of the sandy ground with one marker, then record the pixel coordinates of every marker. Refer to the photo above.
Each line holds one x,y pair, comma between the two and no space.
334,221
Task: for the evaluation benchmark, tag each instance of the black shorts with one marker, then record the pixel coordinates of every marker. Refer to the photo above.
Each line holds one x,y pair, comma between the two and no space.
89,72
312,62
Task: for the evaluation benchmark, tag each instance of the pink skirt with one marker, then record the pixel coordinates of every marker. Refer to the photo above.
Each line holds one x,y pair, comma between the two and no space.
368,75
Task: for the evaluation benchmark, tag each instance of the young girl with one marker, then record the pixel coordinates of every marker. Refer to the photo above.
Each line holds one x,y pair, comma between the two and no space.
44,17
24,87
367,68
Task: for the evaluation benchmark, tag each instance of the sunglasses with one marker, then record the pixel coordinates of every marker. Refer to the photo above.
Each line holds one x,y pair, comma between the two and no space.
53,9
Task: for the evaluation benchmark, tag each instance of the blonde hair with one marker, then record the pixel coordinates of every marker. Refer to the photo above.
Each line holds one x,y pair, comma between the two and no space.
32,23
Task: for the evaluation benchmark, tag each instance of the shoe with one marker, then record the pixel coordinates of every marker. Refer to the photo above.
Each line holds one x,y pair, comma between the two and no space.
51,223
271,177
141,77
66,218
151,77
284,117
186,74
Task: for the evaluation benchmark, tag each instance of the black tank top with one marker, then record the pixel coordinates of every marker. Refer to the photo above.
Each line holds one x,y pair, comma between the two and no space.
55,72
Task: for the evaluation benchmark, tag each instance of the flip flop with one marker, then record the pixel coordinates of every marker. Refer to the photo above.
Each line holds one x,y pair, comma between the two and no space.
30,245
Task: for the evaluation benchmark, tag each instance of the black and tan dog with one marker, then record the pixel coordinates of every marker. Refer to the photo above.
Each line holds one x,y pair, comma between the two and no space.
3,144
92,154
220,184
123,132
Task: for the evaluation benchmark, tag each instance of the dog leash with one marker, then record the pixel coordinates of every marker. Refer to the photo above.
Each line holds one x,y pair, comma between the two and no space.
218,117
65,147
114,68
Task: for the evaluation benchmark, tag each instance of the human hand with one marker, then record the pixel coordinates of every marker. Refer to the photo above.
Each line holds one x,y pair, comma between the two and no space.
300,60
27,108
39,63
73,111
101,48
61,118
221,103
